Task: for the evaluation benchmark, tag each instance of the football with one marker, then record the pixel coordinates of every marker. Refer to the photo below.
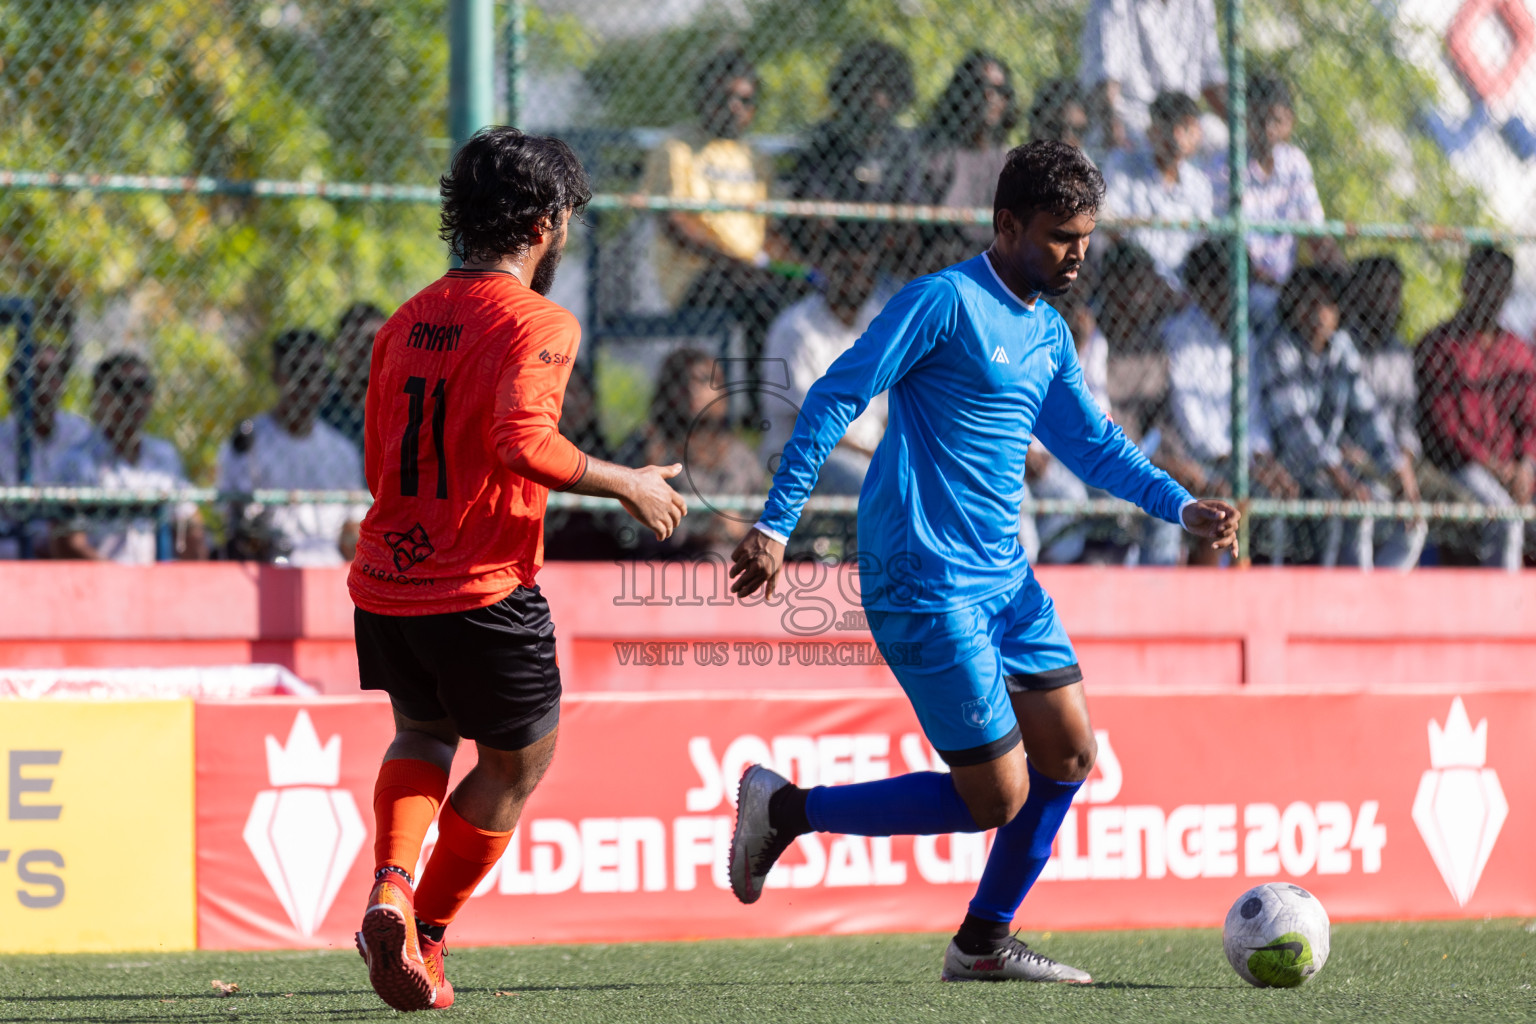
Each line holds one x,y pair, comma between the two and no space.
1276,935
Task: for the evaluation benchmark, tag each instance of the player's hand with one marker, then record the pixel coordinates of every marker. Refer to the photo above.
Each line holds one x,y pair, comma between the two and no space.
652,501
1215,521
756,561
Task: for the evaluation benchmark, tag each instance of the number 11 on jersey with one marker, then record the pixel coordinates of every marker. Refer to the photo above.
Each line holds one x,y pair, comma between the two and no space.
410,444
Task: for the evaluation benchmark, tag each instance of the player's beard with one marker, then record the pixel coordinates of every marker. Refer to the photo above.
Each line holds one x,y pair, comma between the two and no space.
1052,292
544,273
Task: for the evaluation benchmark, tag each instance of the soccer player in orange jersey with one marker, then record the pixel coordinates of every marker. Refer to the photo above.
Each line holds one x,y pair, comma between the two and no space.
461,450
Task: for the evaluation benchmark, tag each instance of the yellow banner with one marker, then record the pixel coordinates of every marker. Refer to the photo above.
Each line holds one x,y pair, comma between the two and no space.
96,826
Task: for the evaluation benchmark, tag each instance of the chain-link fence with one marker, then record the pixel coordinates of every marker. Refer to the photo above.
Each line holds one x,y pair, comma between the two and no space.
206,210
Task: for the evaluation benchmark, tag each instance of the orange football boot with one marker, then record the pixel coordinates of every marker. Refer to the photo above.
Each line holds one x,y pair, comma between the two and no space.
390,946
432,956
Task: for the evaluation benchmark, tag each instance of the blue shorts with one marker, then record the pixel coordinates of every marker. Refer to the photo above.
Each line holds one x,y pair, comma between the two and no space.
958,667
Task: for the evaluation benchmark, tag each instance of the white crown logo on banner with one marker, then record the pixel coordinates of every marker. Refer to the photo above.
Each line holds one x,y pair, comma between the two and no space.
304,832
1460,806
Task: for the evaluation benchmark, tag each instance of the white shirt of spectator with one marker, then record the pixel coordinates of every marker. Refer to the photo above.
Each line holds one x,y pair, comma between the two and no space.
322,460
1137,189
1095,362
48,454
95,464
1389,373
1150,46
1200,387
1289,192
808,337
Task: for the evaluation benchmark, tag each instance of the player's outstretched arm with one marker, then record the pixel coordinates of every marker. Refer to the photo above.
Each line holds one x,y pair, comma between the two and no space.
1215,521
756,562
644,492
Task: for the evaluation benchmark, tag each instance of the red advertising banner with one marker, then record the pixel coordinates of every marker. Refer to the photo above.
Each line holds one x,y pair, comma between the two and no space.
1385,805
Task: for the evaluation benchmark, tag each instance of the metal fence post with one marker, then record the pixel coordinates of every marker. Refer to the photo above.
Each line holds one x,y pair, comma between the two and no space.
471,88
517,58
1237,166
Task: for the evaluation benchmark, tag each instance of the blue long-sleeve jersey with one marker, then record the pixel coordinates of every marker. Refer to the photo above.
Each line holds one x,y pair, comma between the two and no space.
973,374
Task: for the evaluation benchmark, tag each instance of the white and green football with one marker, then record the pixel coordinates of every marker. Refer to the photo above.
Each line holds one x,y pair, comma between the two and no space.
1276,935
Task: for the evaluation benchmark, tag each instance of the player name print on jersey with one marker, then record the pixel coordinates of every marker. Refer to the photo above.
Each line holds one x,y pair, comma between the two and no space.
435,337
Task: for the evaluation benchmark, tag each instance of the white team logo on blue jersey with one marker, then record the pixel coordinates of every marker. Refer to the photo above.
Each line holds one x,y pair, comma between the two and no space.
999,356
976,712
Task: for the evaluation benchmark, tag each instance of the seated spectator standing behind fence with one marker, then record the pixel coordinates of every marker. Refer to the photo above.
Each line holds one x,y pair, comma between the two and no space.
965,145
1278,185
1134,49
352,350
1371,309
54,433
1132,303
1199,346
1062,539
119,456
718,259
859,154
1158,182
1327,429
582,534
1058,113
689,423
289,448
813,332
1477,401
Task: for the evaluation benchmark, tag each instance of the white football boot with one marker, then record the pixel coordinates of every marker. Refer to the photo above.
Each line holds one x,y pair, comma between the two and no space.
1012,960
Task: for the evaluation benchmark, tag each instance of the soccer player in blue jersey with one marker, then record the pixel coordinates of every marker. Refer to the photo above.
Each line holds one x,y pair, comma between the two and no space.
976,366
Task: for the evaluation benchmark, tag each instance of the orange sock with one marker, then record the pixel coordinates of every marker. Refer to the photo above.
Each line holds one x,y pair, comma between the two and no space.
405,800
463,856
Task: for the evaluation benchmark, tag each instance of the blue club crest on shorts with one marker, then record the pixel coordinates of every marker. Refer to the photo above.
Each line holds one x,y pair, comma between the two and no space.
976,712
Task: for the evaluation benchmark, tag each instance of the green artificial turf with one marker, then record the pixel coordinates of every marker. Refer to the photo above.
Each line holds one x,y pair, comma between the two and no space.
1437,972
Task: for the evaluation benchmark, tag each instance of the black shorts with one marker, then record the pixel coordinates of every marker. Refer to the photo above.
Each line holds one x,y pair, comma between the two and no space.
490,670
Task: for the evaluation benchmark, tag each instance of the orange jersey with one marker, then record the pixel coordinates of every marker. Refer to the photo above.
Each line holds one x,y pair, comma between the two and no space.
462,444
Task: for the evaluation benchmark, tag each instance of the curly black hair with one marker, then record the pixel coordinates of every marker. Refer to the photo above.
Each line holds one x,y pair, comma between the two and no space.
502,184
1050,176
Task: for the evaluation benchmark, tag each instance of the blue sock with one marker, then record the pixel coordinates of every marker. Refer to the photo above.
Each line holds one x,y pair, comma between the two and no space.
915,804
1021,848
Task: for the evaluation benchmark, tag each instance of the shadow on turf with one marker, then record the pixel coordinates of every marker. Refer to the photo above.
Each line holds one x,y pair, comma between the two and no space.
838,983
221,1013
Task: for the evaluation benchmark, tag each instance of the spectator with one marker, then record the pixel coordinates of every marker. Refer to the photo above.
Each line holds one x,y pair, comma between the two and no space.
813,332
716,259
1278,185
1059,113
581,534
1133,301
1198,342
1159,183
689,423
1063,539
342,406
1134,49
289,448
1371,307
1319,408
1477,401
119,456
860,154
54,433
1092,346
966,145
